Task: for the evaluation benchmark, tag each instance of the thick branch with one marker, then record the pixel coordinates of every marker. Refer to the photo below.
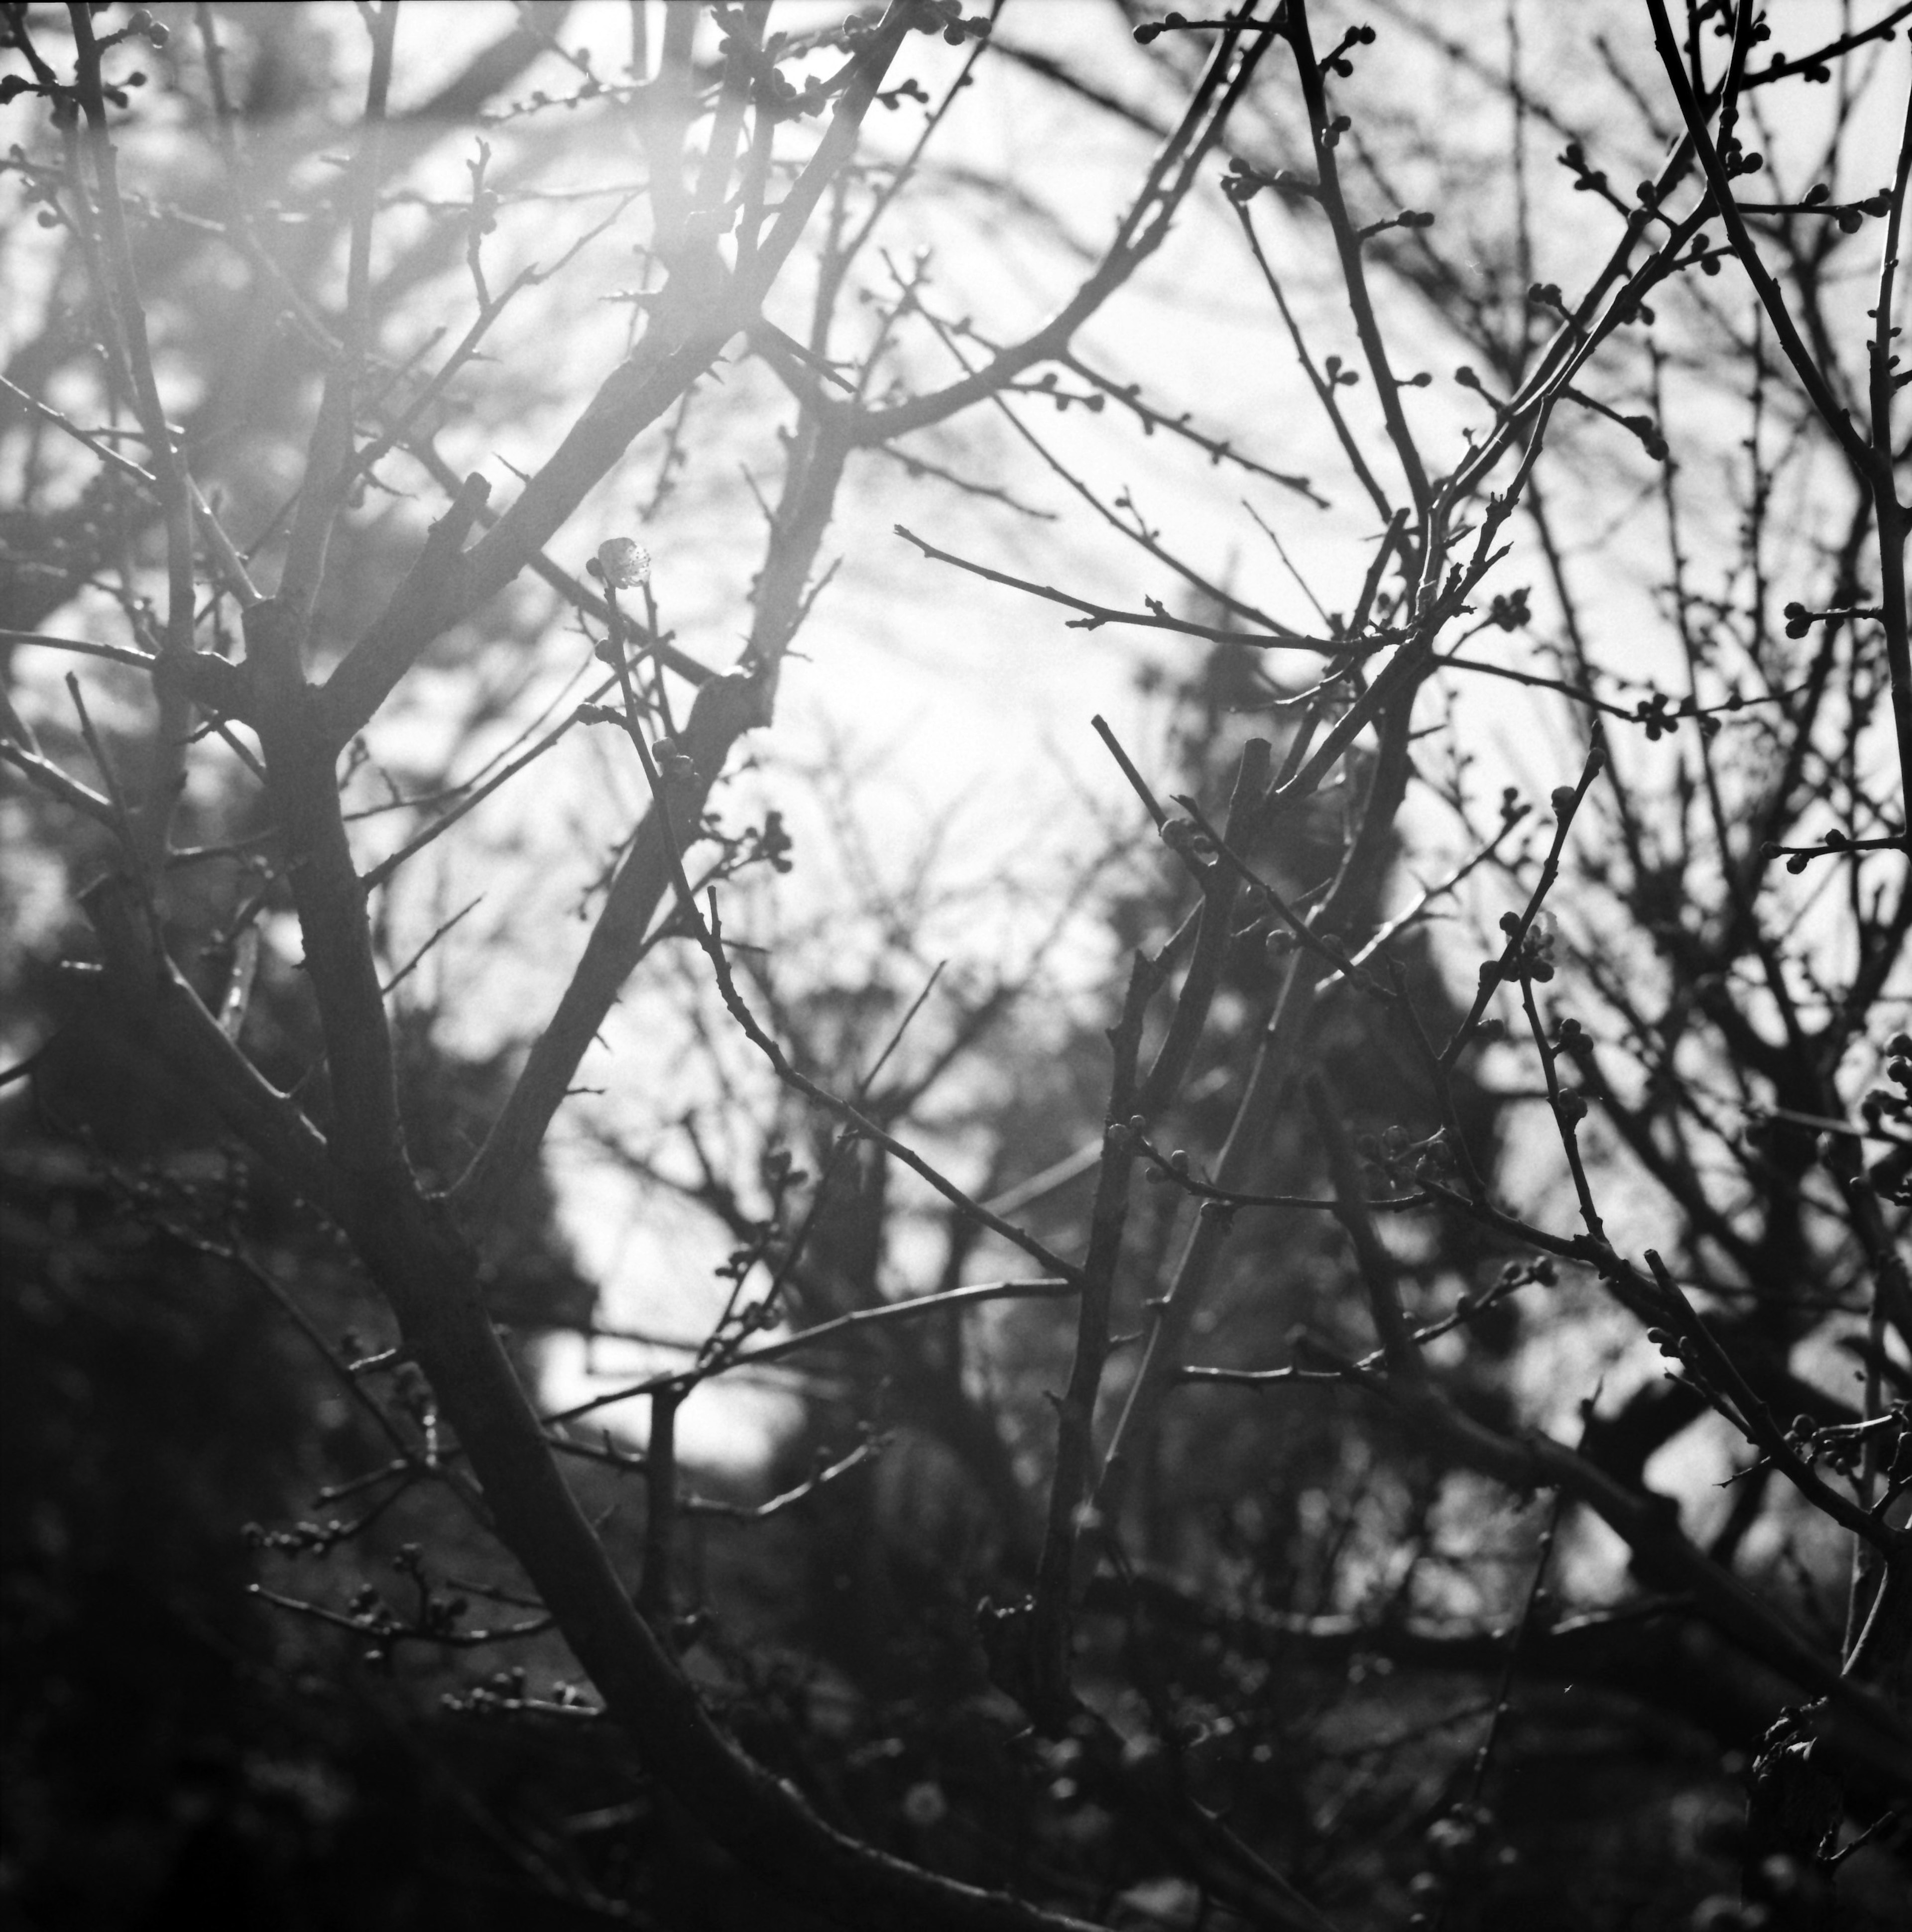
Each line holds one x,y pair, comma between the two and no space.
725,709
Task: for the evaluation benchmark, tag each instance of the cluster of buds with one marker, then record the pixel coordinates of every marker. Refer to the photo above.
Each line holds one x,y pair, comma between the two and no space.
299,1539
1337,62
1705,256
1534,960
1518,1274
1660,721
1153,30
1587,178
1799,620
507,1694
1882,1103
1571,1040
774,94
1678,1348
946,17
1841,1446
929,17
503,1690
1242,183
1510,613
141,26
1732,155
772,843
1850,215
674,766
1835,841
1185,836
372,1616
1395,1152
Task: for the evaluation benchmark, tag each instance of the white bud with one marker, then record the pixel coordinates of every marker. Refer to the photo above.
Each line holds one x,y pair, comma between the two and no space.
625,564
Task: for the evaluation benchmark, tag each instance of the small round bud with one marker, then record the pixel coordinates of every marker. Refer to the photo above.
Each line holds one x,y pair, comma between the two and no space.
1562,798
924,1804
623,564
